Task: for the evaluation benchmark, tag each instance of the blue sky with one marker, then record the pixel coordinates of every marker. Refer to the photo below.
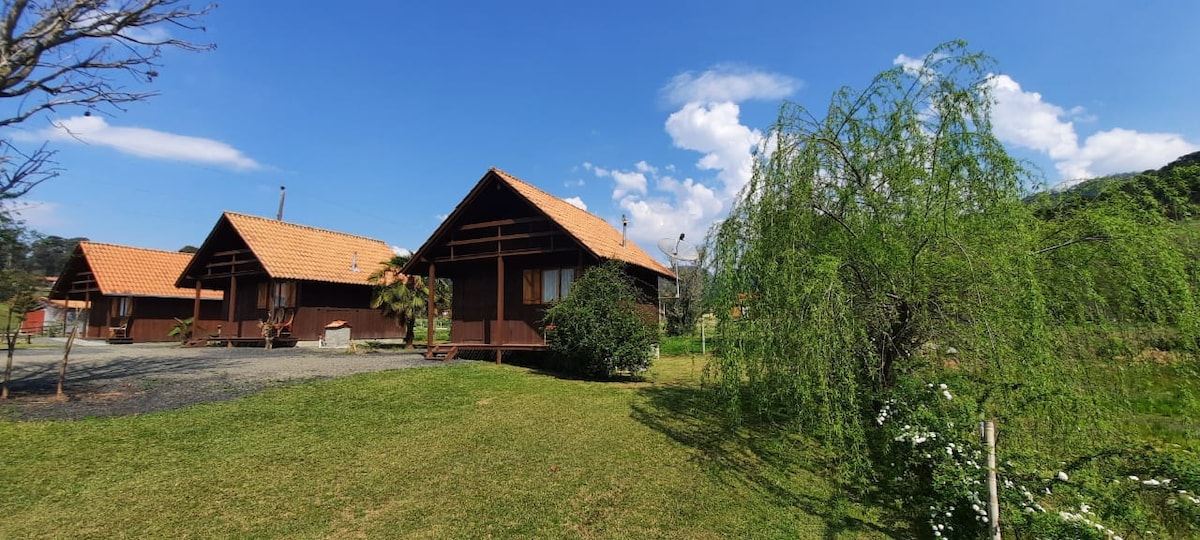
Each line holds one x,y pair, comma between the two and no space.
380,116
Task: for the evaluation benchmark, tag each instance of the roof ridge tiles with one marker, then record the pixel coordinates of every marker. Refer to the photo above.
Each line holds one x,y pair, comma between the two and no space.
301,226
123,246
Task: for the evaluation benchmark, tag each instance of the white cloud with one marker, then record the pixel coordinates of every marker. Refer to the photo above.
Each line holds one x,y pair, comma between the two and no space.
679,206
658,203
728,83
1022,118
403,252
147,143
644,167
1025,119
628,182
918,66
576,202
716,131
1123,150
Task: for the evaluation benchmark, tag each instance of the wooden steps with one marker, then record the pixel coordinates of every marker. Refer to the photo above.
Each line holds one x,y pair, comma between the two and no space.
441,352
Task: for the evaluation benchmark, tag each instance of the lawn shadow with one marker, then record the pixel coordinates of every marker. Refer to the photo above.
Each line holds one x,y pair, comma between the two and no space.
544,363
785,468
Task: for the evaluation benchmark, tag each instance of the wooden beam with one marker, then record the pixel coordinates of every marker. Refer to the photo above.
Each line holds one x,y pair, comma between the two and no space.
230,263
224,275
233,303
534,251
431,286
232,252
499,305
501,222
517,236
196,311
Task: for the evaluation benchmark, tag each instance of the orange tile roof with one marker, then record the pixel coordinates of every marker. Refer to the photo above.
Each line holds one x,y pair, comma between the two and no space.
132,271
590,230
291,251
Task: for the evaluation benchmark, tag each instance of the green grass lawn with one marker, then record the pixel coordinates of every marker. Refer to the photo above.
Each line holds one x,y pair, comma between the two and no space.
467,451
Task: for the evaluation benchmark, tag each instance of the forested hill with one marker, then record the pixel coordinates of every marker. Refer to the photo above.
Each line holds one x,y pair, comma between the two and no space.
1173,190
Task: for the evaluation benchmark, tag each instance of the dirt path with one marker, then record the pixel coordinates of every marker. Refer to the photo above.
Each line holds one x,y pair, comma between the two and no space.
132,379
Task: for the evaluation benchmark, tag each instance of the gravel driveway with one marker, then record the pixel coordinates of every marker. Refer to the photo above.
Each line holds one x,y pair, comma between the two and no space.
112,380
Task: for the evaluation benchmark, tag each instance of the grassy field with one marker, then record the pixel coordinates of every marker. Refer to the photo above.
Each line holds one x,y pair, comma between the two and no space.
466,451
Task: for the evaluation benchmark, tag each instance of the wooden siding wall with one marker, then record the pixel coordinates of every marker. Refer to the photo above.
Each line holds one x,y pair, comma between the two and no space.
318,304
474,302
473,305
365,323
152,318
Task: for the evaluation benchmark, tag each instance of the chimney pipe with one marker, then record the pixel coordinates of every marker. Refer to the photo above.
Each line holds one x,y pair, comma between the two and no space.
624,225
282,195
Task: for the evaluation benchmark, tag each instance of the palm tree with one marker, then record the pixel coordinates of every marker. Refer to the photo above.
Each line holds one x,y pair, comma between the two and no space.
401,297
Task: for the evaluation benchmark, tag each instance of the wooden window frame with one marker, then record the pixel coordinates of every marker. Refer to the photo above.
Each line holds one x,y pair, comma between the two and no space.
533,285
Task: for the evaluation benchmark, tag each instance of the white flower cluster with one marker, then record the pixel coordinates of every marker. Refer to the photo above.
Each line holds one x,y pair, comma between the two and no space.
1165,483
1086,517
977,505
915,435
945,390
940,530
886,411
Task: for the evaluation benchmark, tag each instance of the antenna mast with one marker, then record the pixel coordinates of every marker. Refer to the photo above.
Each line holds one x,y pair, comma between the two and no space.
282,195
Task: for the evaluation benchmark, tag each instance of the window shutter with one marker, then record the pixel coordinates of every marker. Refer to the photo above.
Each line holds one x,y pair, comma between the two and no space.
262,295
289,294
531,290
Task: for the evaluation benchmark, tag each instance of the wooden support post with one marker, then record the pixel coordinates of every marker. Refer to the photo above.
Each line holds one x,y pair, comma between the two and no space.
87,311
431,286
500,330
233,306
196,311
989,437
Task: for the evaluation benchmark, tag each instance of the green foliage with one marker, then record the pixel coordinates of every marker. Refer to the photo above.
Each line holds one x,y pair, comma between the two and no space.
885,246
930,458
182,329
1172,192
893,223
684,309
598,327
405,298
1115,260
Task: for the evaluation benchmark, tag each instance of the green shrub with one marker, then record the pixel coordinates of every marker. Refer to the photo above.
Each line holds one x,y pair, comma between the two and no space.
598,328
929,461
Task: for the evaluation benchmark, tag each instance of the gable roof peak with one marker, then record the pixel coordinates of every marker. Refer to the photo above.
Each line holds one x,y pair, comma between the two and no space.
592,232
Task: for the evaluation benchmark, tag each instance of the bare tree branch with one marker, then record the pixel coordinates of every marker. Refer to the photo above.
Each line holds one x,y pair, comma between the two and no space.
1093,238
21,172
79,53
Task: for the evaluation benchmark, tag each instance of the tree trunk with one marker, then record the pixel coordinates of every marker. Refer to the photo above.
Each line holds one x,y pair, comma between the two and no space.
62,371
410,336
11,340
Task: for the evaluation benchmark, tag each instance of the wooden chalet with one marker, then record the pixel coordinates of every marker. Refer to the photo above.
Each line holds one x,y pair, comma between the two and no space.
510,249
131,292
301,278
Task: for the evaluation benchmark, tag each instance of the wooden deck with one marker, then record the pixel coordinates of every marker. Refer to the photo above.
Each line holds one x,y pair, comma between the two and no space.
244,342
447,351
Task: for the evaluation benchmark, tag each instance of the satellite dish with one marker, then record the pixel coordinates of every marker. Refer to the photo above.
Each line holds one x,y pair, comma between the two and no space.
679,250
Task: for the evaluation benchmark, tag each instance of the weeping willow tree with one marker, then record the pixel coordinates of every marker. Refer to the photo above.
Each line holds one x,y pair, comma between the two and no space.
888,237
